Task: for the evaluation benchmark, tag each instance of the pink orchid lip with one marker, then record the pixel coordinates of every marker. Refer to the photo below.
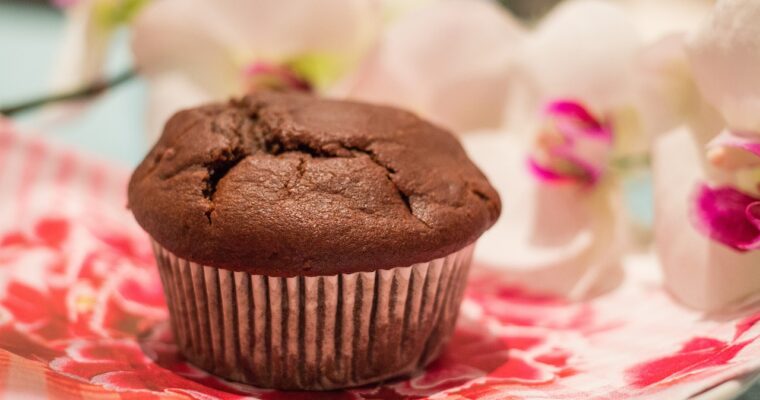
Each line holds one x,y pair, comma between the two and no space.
586,173
575,125
576,120
728,216
276,75
547,175
753,214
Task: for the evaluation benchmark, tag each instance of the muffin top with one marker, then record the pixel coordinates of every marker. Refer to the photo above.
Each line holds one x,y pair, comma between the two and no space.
287,184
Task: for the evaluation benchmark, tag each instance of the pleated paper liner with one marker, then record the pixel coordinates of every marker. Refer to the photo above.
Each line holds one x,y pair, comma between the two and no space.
313,333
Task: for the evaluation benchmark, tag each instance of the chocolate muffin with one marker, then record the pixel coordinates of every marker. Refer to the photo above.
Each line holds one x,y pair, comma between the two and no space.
306,243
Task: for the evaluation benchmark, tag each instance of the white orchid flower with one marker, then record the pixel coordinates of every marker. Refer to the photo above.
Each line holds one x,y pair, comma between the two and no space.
450,61
725,56
87,35
584,53
196,50
655,19
563,237
703,233
583,49
707,185
573,146
563,230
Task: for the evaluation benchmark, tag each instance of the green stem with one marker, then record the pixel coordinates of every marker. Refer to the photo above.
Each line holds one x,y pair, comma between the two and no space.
76,94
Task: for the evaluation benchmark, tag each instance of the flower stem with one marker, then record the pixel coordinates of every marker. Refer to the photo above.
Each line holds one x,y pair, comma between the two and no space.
90,90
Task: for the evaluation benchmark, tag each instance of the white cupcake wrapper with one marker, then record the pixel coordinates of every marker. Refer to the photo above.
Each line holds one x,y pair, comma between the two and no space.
321,332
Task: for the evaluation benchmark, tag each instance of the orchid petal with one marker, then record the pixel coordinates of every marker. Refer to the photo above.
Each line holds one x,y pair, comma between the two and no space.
753,214
393,9
449,61
725,56
723,213
592,164
666,94
546,174
169,92
321,41
218,38
565,167
560,239
737,156
285,29
90,26
191,37
84,47
698,270
737,147
210,46
582,49
655,19
573,109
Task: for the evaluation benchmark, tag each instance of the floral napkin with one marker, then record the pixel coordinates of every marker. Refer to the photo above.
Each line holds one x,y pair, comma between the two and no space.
82,314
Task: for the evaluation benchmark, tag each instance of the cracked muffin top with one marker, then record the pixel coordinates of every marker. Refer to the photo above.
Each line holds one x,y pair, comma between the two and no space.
287,184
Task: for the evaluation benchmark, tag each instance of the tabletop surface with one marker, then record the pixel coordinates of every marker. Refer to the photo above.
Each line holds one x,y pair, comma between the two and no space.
110,126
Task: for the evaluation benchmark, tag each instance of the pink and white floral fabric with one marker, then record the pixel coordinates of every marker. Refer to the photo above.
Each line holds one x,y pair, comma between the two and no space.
82,314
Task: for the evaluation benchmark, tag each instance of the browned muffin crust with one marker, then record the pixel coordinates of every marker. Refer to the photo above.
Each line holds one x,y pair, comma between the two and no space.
287,184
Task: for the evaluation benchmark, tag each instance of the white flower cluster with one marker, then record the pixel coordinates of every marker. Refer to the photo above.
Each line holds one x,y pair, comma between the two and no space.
563,116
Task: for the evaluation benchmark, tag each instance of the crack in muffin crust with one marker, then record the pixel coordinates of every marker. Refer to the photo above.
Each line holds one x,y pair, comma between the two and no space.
270,142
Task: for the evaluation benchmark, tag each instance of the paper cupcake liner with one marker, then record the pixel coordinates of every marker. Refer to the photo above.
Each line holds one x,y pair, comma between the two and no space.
316,333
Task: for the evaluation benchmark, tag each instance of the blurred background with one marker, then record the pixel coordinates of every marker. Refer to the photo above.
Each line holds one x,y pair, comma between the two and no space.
31,36
116,123
31,33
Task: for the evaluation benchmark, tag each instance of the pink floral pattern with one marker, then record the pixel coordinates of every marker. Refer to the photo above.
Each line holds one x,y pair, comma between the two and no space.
81,307
695,355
